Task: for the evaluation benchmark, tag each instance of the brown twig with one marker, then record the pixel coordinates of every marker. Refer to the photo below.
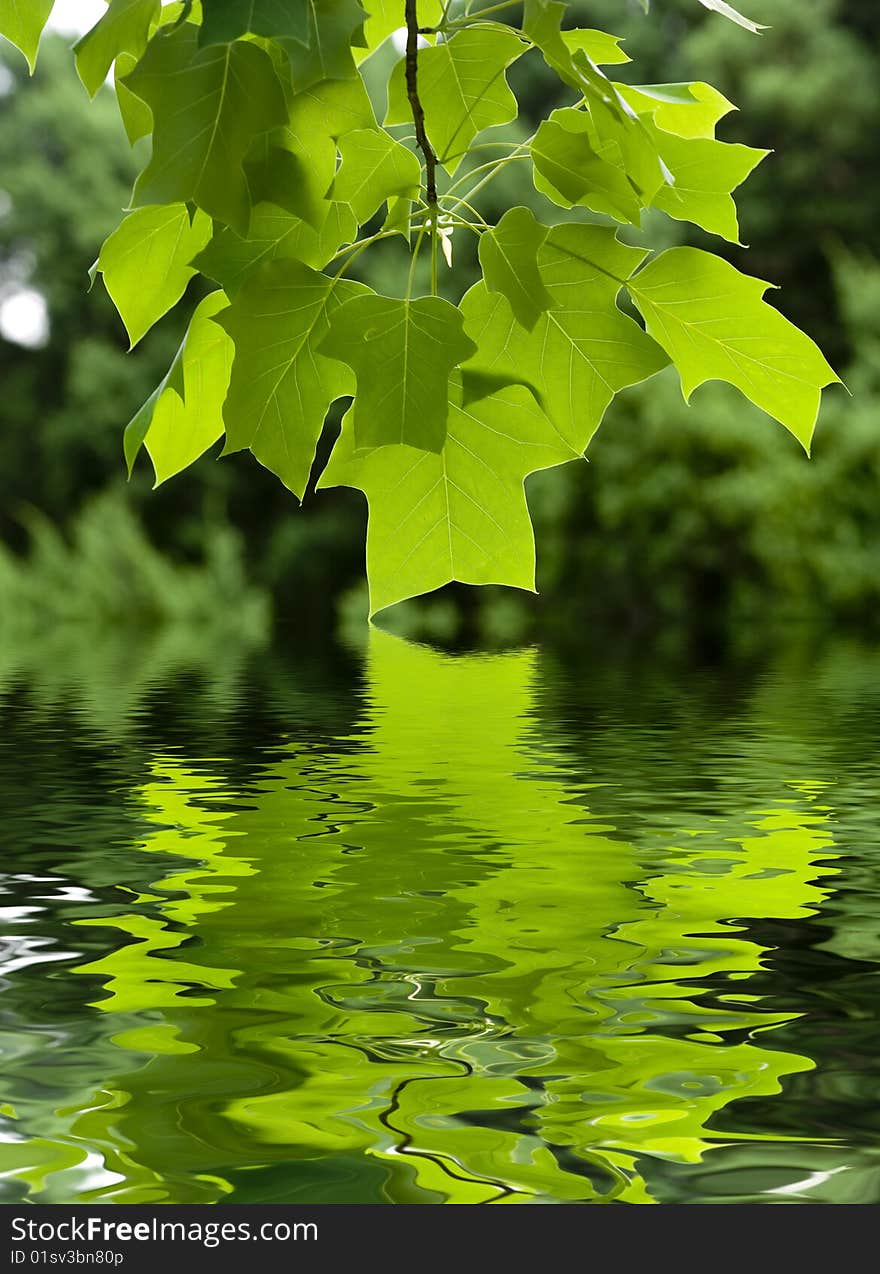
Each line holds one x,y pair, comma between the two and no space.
412,92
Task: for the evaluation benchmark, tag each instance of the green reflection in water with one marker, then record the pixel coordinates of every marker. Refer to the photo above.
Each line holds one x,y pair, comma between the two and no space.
422,964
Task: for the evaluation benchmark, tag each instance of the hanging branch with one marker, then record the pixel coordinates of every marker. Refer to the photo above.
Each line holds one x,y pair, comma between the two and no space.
412,92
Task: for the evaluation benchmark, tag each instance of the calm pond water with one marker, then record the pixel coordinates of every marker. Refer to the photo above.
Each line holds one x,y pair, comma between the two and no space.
407,926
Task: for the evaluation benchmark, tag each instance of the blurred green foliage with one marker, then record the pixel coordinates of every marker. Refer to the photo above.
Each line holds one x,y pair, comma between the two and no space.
700,519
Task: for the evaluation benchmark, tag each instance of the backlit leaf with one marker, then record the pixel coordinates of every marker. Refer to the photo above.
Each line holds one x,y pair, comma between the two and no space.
402,353
706,173
224,20
583,349
137,118
387,16
183,417
728,11
375,168
281,387
124,28
208,106
147,262
714,325
22,23
334,25
459,514
570,170
462,87
273,235
509,257
688,110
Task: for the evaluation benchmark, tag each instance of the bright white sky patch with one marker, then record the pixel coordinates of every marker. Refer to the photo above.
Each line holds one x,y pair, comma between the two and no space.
75,17
24,318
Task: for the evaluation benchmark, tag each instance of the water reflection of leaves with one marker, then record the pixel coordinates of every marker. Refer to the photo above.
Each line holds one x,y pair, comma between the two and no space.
426,950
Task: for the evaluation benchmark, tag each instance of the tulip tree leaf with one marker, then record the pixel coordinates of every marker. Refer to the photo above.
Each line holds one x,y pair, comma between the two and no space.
688,110
583,349
542,21
294,166
462,87
728,11
224,20
22,23
331,108
229,259
208,106
292,172
281,386
137,118
714,325
147,262
599,46
459,514
571,167
183,417
509,257
706,173
334,25
402,353
375,168
387,16
124,28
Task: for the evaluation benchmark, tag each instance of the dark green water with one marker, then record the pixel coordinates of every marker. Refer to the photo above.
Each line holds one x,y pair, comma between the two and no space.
412,927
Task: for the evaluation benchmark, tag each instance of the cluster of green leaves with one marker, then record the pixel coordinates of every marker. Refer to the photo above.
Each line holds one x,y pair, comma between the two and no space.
270,173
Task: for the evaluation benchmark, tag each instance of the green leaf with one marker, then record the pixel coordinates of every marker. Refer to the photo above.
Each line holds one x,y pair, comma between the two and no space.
375,168
714,325
387,16
688,110
541,24
124,28
727,11
462,88
208,106
625,140
599,46
183,416
293,167
224,20
334,25
459,514
331,108
22,23
583,350
569,169
706,173
281,386
229,259
509,259
402,353
293,174
137,118
573,55
147,262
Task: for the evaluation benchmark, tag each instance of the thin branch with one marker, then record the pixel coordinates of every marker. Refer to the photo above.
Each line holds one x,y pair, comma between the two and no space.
412,92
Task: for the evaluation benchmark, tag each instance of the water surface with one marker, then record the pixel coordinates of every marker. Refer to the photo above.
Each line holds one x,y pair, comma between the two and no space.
405,926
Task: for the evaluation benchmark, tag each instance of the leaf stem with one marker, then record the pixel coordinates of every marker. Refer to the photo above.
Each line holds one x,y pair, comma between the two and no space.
480,13
415,257
463,203
494,165
353,250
